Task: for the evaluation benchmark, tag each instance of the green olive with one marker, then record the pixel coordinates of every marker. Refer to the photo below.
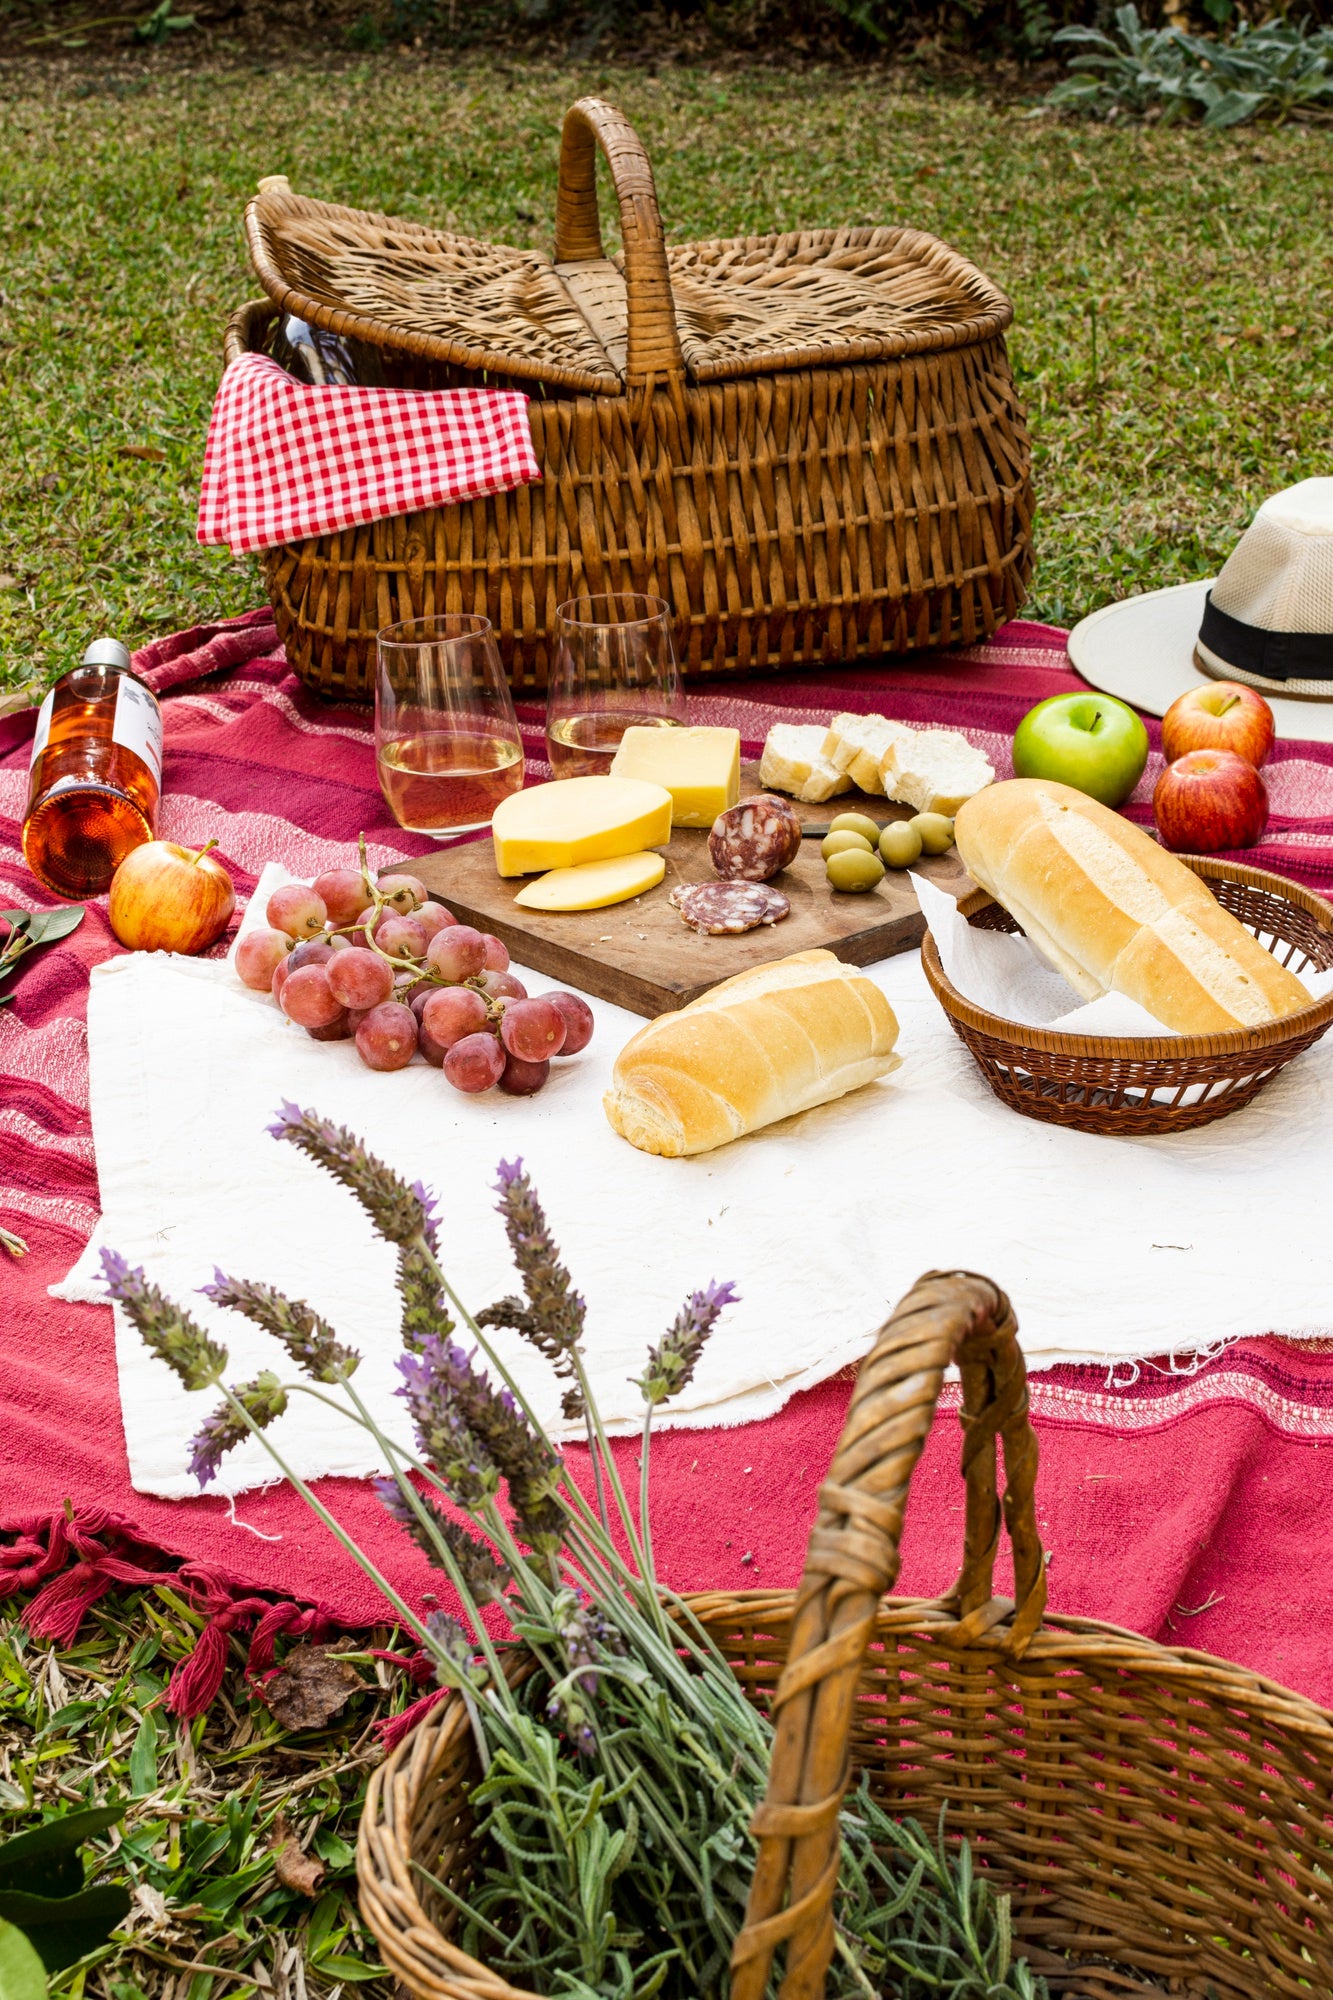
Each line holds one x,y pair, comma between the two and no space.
841,839
900,844
936,830
854,870
857,823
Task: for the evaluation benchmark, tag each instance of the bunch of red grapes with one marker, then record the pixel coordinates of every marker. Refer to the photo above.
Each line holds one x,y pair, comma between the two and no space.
379,964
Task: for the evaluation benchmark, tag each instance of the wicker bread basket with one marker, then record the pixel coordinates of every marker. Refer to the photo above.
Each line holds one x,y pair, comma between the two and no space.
808,444
1171,1084
1162,1819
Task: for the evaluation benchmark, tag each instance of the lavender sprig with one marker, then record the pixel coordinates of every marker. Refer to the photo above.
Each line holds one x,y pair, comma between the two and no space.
262,1400
308,1339
446,1438
471,1432
671,1364
552,1317
486,1579
456,1660
398,1211
164,1326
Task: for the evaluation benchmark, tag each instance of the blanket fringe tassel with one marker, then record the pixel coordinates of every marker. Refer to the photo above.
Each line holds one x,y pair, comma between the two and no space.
72,1559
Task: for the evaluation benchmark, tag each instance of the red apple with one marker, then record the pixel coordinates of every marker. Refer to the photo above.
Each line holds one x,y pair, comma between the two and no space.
169,898
1209,800
1223,715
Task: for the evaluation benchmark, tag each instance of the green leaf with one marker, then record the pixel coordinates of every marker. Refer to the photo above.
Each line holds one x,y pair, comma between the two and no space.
62,1929
18,920
21,1974
48,925
337,1967
143,1758
45,1860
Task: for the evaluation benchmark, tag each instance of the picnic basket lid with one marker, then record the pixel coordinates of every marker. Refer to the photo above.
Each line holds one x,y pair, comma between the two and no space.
583,321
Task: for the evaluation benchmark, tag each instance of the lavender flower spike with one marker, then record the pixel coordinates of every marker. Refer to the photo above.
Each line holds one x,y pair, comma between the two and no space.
552,1317
172,1334
672,1363
398,1212
308,1339
485,1578
263,1400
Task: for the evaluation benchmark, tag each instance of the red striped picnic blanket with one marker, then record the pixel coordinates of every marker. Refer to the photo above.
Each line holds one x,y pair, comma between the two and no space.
1186,1501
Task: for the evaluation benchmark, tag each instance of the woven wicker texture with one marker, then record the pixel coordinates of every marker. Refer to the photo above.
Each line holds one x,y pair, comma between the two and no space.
1166,1085
1163,1820
809,444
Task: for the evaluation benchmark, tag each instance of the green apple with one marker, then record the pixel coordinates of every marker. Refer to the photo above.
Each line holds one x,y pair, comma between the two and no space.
1089,741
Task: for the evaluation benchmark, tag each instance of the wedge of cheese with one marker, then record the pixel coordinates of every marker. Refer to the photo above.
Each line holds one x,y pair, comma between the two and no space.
578,819
700,767
794,762
858,745
593,884
936,771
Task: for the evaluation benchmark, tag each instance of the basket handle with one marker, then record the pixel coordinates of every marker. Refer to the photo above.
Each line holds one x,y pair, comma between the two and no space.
851,1561
653,342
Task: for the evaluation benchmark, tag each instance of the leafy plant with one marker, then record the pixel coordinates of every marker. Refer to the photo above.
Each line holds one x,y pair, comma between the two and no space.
44,1893
26,929
621,1763
1265,72
21,1974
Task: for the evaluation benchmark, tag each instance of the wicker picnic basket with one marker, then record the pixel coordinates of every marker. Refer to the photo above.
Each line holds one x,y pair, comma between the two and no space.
1170,1084
808,444
1163,1820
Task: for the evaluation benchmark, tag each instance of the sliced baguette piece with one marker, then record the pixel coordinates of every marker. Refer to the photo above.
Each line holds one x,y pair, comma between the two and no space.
935,771
858,745
1114,912
794,762
772,1041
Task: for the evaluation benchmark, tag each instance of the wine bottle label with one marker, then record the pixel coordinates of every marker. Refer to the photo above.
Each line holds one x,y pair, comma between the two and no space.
138,724
43,728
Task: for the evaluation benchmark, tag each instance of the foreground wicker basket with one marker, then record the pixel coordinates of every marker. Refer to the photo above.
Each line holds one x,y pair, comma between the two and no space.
1163,1820
1172,1084
808,444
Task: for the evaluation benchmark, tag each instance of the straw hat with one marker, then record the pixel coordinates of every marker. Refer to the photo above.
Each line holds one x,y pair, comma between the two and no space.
1267,620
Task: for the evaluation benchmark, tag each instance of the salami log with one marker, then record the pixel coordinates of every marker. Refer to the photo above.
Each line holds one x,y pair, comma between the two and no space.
717,908
754,840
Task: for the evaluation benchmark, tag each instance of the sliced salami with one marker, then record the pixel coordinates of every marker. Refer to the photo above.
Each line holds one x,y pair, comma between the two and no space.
716,908
754,840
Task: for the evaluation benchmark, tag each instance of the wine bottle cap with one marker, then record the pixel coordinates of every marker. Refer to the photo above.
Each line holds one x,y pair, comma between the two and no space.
107,653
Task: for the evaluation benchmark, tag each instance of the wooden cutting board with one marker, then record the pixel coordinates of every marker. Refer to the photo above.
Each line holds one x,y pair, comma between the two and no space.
641,956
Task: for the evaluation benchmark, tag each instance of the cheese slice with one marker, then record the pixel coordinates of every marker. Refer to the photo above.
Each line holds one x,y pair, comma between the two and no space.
700,767
578,819
858,745
794,762
593,884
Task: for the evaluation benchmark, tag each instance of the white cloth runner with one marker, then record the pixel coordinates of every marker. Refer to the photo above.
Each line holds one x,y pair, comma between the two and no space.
1111,1248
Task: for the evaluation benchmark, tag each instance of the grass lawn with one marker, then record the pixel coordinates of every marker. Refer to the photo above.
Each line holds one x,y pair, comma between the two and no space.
1172,288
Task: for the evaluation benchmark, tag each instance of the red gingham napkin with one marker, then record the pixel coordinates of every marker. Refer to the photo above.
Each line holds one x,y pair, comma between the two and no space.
285,460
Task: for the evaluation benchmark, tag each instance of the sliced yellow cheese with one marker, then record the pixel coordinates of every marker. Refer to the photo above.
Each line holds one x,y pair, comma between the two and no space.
578,819
593,884
701,768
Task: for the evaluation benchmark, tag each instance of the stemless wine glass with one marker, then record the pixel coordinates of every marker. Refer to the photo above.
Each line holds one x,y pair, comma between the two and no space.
447,747
614,668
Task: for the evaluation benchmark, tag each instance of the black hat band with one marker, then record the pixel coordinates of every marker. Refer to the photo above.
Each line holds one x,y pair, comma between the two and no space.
1272,656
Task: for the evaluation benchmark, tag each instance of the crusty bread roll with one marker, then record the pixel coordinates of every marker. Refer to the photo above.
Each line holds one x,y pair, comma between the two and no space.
1114,912
770,1042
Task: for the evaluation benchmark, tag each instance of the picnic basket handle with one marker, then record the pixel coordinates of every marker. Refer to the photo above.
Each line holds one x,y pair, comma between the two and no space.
653,342
852,1559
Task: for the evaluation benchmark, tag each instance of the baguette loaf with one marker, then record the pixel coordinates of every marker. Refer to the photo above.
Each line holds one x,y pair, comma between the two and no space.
1114,912
772,1041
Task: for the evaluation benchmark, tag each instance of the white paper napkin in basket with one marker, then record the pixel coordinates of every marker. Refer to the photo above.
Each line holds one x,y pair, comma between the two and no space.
1110,1248
1000,971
